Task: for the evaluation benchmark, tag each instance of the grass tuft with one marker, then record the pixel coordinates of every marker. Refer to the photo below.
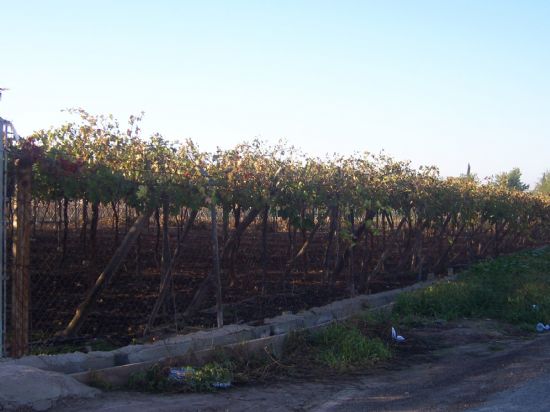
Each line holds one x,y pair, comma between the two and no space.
341,346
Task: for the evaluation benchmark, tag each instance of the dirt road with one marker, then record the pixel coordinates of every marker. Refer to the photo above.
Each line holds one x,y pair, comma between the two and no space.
482,365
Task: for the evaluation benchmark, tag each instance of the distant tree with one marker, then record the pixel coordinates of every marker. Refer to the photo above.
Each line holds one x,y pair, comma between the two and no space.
543,185
511,180
472,177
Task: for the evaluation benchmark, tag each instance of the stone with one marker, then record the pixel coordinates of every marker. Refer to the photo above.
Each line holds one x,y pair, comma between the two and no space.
66,362
26,387
33,360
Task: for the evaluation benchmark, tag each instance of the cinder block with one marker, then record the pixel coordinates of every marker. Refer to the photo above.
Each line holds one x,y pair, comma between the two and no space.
285,323
262,331
149,353
312,319
179,349
99,360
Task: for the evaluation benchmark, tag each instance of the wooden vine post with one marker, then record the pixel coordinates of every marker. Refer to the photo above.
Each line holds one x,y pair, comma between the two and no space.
210,280
167,272
216,270
103,279
21,259
216,261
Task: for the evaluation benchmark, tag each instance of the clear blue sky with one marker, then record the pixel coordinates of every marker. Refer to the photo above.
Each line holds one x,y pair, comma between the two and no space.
437,82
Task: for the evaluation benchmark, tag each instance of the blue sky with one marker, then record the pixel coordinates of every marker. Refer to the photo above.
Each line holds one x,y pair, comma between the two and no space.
437,82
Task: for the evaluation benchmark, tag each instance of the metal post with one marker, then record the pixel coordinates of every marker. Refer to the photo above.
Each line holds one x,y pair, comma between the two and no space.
7,134
3,273
2,249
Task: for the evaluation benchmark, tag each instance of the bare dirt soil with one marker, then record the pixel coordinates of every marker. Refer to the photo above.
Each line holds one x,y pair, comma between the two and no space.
455,366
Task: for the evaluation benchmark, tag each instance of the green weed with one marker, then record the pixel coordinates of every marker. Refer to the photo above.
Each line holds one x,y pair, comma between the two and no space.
340,346
515,289
156,379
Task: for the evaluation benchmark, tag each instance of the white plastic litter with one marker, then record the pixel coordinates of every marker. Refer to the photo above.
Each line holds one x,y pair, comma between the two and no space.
395,336
541,327
221,385
181,374
185,374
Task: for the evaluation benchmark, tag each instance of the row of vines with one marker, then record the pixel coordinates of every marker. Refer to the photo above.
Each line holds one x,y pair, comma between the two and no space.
352,221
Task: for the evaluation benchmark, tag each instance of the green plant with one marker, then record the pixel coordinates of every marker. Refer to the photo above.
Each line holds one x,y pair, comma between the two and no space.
204,378
513,288
201,379
340,346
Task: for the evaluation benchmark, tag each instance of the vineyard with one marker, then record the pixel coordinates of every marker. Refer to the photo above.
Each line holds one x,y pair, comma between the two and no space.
132,238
